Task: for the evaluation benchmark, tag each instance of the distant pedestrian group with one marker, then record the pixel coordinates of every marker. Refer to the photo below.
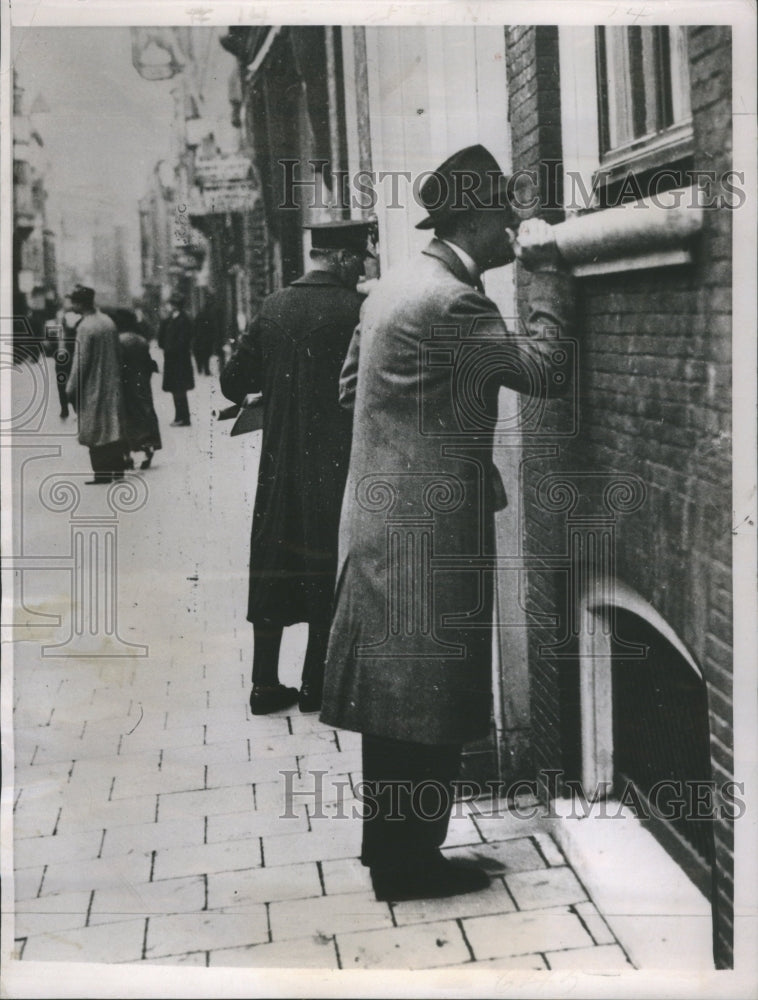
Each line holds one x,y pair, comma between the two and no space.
104,367
109,369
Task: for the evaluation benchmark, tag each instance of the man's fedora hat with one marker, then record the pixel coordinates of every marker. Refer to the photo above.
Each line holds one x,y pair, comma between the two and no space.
344,234
83,296
469,179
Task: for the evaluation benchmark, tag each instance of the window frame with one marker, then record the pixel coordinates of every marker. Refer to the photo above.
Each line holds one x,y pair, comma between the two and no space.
586,175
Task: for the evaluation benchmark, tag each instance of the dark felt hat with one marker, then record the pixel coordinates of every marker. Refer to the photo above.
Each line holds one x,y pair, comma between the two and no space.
83,296
469,179
345,234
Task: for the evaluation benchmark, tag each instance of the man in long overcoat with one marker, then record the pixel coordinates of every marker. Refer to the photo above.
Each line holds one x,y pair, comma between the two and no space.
409,657
94,387
292,353
175,340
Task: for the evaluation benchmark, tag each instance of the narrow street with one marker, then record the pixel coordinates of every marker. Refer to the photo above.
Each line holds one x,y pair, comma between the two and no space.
151,817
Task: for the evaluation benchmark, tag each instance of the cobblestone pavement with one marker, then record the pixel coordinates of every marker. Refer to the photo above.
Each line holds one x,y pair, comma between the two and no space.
151,823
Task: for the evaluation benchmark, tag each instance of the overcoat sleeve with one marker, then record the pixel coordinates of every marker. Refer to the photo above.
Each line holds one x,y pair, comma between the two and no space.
242,373
349,373
550,315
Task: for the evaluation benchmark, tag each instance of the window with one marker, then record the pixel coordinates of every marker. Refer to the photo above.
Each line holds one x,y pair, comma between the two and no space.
643,91
626,125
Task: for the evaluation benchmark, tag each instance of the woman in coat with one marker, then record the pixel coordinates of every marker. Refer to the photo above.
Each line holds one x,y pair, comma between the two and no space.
140,431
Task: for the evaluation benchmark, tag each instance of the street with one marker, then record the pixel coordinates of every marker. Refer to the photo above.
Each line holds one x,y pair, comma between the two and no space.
152,816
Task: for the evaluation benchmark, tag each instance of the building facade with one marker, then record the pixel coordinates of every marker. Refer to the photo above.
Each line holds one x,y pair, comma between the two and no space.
613,611
35,274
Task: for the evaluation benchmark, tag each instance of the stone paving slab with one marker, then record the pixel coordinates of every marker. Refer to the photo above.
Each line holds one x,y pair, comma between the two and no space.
122,942
176,895
170,935
525,933
494,899
299,953
263,885
327,915
608,958
422,946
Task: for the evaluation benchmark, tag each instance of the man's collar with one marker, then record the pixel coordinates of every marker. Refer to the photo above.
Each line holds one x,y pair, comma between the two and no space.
467,260
317,277
450,255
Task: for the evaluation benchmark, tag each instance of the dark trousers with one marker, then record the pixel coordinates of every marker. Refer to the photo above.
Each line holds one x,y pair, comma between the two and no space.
266,642
62,398
408,797
107,461
181,407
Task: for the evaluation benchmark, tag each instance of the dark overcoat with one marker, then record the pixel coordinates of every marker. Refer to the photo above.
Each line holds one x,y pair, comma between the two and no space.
293,352
175,338
137,367
410,646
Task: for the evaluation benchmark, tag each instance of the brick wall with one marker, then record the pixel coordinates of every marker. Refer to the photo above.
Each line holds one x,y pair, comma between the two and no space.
654,401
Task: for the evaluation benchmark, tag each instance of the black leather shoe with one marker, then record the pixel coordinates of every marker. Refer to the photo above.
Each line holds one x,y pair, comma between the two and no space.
427,880
272,699
310,698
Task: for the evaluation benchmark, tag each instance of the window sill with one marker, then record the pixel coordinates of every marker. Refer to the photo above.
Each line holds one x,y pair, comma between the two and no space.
639,262
643,234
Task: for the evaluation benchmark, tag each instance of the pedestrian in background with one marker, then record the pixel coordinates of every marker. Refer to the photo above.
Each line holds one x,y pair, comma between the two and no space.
141,431
292,353
175,340
94,387
64,355
206,334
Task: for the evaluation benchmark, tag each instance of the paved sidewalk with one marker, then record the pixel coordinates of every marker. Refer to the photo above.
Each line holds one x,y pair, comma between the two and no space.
152,822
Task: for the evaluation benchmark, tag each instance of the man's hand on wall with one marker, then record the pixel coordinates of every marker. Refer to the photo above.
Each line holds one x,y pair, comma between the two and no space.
534,245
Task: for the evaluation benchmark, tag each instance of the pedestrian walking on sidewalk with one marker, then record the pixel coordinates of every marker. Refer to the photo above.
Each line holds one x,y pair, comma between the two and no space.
175,340
64,354
94,387
292,353
141,431
409,658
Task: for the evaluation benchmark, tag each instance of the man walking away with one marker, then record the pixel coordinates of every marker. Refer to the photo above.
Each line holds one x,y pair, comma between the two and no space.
94,387
64,354
207,324
293,352
409,660
175,340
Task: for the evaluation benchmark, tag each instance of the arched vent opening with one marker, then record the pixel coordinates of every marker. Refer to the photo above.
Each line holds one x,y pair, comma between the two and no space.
661,749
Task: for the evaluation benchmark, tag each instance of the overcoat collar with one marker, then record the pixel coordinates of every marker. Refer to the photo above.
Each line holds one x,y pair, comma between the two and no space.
319,278
451,259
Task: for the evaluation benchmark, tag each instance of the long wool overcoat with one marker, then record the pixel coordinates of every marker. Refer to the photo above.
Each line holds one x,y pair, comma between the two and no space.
175,338
94,385
293,354
410,646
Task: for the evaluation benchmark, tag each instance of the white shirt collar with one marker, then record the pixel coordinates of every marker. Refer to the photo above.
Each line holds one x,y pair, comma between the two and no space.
465,258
